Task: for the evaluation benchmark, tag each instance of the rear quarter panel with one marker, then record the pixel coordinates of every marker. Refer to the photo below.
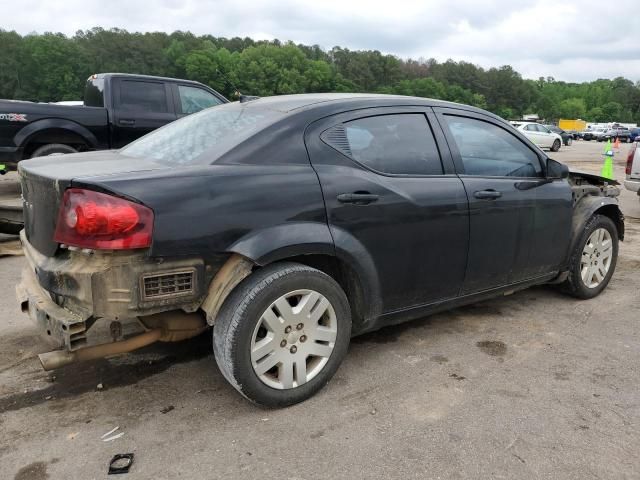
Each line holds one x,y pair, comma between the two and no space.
249,209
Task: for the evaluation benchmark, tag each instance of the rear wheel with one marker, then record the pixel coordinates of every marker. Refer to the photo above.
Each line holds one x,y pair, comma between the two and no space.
569,141
556,145
593,259
53,149
282,334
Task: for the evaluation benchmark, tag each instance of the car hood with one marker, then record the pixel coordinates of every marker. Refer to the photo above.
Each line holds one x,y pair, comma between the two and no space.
592,178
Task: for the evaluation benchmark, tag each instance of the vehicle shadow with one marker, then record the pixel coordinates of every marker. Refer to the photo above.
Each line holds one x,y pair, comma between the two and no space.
76,379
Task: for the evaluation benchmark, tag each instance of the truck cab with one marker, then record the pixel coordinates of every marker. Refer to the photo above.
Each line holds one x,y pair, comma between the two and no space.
117,109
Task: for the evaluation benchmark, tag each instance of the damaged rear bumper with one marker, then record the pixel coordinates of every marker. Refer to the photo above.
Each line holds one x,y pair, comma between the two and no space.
66,294
62,327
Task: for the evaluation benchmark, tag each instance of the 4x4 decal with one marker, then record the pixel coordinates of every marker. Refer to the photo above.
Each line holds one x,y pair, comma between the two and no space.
14,117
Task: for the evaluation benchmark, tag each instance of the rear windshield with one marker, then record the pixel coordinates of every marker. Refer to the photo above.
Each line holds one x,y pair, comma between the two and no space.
94,92
204,136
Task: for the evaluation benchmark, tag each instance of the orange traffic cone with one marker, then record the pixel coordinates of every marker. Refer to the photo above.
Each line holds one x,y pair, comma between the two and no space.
616,144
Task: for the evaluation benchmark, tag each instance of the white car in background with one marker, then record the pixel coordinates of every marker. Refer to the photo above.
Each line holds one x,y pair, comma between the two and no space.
540,135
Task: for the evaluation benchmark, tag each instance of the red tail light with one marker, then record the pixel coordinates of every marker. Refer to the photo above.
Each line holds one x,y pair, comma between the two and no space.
627,170
96,220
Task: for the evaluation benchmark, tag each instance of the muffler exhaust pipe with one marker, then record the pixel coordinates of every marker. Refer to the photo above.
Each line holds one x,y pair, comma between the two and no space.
172,326
60,358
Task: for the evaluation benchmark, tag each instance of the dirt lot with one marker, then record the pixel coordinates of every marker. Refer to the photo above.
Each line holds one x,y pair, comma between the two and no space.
534,385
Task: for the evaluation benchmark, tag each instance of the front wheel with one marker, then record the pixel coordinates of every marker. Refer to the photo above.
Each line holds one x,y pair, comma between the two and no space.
593,259
282,334
556,145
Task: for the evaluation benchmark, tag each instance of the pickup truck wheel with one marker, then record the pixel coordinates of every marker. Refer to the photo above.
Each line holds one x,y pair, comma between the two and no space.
593,259
282,334
53,149
556,145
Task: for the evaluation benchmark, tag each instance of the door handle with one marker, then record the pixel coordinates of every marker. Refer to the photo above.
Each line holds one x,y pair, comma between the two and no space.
487,194
358,198
124,121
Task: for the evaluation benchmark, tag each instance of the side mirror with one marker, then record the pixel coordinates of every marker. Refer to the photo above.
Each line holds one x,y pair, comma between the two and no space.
556,169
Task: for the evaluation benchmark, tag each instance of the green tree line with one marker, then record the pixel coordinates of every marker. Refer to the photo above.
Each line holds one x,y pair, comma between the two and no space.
53,67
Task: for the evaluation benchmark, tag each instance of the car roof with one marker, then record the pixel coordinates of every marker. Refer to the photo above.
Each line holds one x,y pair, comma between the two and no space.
147,77
308,101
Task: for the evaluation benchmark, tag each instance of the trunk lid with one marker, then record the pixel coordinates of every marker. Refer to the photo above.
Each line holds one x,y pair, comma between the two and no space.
45,179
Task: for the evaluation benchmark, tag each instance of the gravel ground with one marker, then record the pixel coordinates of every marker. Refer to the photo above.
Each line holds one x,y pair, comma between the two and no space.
533,385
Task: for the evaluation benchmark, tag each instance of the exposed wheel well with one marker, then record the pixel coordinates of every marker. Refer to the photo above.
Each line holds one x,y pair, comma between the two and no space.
54,135
613,212
342,273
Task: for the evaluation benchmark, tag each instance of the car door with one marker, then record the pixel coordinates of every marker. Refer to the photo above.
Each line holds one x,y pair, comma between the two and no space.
139,107
519,223
532,133
546,136
393,198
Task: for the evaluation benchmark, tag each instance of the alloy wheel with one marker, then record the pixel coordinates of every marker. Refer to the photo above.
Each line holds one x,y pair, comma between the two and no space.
293,339
596,258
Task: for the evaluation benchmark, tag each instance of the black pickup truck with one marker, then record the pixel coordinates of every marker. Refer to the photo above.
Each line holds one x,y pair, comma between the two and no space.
118,108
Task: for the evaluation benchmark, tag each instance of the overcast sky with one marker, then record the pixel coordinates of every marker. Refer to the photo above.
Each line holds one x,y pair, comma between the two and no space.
573,40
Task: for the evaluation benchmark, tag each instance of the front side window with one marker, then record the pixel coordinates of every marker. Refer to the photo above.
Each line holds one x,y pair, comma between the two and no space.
401,144
145,96
488,150
194,99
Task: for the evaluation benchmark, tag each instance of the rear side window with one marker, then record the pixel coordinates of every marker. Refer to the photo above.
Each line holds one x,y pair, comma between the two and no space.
203,137
488,150
147,96
194,99
395,144
94,92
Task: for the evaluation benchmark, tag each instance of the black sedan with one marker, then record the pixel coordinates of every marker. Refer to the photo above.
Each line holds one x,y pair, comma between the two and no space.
289,224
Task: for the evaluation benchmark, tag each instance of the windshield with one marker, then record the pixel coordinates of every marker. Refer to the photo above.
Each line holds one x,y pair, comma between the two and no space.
202,137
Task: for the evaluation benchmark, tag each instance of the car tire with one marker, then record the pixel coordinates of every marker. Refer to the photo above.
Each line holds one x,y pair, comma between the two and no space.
556,145
53,149
251,333
569,142
589,253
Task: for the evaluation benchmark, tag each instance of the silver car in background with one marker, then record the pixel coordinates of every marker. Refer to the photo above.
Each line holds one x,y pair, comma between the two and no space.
540,135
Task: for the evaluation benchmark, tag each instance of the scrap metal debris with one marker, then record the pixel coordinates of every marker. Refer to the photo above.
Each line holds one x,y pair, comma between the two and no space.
120,463
115,437
107,438
110,432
